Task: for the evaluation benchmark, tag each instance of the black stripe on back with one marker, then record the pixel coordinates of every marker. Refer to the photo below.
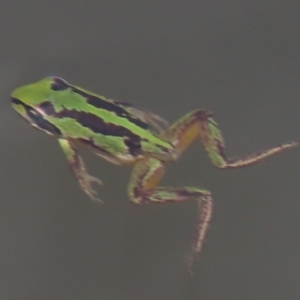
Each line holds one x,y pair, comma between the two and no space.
61,85
97,125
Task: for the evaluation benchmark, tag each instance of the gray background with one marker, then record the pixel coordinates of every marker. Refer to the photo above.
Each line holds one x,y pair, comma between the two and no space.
238,58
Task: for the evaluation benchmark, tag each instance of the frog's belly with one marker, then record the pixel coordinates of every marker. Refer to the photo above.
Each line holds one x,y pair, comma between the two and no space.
125,155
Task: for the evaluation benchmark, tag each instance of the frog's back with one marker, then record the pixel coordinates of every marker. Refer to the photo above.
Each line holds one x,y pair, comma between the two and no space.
105,126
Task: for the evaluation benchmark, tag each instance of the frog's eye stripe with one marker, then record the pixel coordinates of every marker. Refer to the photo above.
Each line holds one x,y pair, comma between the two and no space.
17,101
36,118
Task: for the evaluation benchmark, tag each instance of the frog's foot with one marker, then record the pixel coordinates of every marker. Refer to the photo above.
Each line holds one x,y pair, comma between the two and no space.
78,168
86,182
190,260
205,212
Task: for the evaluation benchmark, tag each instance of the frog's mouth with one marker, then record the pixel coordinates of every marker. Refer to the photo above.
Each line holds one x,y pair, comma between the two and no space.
34,117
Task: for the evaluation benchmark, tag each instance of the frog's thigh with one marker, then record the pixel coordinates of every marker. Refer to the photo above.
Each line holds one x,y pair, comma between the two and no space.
146,174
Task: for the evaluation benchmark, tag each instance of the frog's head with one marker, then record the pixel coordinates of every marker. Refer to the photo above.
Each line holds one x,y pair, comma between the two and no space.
33,102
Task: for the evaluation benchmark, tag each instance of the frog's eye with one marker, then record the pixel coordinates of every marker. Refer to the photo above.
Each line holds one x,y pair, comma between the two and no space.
34,116
59,84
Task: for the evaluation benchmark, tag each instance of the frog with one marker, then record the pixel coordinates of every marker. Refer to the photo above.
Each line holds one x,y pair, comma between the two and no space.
126,135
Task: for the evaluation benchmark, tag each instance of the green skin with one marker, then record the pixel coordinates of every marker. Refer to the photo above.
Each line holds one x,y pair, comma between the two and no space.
125,135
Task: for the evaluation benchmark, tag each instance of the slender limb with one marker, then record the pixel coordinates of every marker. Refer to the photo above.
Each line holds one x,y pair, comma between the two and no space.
78,168
146,175
200,123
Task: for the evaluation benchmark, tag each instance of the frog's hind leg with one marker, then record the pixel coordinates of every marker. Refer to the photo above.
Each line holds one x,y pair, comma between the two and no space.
142,190
201,123
148,172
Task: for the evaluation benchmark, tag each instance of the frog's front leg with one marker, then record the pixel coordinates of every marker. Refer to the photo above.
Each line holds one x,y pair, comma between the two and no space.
78,168
142,190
